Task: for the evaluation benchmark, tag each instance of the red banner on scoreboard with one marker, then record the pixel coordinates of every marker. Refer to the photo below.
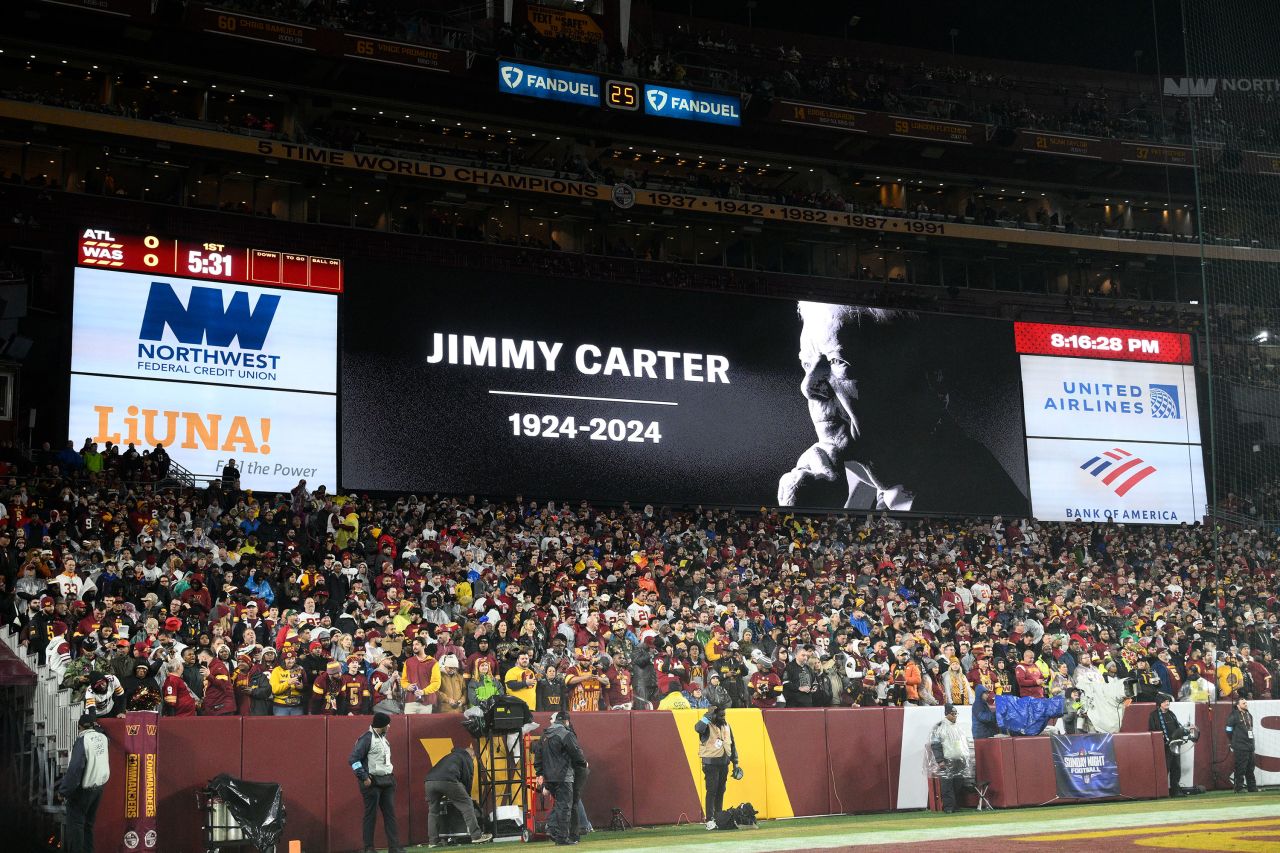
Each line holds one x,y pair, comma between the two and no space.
141,741
104,249
1102,343
253,28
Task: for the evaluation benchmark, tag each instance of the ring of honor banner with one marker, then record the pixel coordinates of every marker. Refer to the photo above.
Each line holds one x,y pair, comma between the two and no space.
1085,766
140,741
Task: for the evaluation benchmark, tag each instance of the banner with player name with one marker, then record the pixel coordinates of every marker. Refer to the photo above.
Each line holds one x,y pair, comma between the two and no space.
140,742
1085,766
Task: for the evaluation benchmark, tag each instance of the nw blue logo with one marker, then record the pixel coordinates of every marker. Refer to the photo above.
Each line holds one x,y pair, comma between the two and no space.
204,319
1164,402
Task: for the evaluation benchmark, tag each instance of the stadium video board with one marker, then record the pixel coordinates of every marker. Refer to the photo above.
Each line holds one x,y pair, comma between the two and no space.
171,344
1112,421
563,389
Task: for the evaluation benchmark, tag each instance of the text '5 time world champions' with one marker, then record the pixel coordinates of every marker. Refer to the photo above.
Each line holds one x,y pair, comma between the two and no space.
587,360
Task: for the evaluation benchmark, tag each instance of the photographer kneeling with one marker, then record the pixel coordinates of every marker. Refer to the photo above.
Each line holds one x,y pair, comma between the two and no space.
717,750
449,781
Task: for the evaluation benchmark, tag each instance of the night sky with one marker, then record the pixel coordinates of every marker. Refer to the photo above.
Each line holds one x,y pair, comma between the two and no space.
1086,32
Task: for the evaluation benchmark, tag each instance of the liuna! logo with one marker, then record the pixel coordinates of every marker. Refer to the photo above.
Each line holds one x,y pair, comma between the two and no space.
512,76
657,99
204,320
1118,470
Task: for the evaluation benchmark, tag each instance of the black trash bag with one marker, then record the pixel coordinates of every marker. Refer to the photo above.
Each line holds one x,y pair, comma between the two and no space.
257,806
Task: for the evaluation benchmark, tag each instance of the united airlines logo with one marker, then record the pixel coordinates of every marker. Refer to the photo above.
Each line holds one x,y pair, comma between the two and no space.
1164,402
1118,470
512,76
657,99
1086,396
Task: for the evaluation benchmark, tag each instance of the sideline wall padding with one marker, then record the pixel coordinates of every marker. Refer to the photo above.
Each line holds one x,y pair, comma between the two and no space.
1033,762
995,765
272,744
189,756
893,749
1136,759
664,788
606,739
858,763
345,804
799,741
1221,762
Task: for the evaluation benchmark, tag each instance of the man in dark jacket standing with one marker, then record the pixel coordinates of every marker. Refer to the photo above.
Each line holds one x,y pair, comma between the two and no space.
371,762
799,682
558,760
449,784
983,722
1162,720
81,787
1240,732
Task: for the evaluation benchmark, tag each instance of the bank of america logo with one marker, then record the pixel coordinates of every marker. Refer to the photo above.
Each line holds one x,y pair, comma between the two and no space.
1118,470
1164,402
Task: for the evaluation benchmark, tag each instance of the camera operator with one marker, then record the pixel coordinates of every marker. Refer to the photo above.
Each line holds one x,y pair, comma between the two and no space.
558,760
717,749
1162,720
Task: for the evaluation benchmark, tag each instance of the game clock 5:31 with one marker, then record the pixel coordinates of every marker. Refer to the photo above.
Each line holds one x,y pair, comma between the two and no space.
210,260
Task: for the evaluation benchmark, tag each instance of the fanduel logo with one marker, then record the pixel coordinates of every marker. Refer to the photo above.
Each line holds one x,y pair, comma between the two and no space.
512,75
204,320
657,99
1164,402
1118,470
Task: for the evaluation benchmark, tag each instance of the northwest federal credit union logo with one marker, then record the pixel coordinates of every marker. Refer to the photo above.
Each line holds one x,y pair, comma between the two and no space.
205,329
1159,401
1118,470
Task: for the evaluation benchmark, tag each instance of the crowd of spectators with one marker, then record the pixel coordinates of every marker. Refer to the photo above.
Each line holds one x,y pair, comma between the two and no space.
140,593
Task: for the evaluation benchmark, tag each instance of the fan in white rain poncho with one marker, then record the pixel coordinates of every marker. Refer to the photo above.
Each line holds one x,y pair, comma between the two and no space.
1104,702
950,753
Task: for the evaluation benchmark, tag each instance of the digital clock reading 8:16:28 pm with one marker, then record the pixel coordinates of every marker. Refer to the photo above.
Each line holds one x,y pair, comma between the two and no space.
596,429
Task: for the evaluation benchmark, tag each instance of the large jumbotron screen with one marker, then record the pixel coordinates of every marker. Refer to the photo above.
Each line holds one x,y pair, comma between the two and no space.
451,382
170,343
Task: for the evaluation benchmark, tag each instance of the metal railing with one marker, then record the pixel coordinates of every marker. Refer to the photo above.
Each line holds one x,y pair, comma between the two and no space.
40,728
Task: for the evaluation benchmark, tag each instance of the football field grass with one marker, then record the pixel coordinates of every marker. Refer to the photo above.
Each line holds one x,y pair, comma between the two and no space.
1097,827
